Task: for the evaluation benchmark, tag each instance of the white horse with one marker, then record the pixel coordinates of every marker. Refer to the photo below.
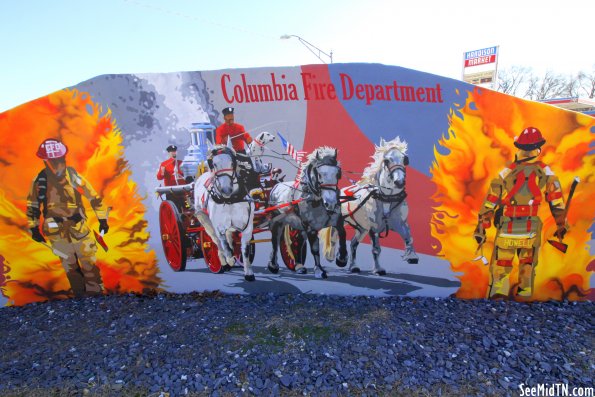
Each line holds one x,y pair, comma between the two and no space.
379,204
222,207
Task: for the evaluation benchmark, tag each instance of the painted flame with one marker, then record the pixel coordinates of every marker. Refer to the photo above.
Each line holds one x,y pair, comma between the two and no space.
95,150
480,144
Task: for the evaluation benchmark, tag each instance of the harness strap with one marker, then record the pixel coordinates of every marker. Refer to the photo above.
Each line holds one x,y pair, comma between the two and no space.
224,170
395,198
42,187
520,179
359,206
533,188
386,228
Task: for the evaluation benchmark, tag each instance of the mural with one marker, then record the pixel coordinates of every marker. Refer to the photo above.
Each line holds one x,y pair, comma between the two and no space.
60,149
267,180
488,148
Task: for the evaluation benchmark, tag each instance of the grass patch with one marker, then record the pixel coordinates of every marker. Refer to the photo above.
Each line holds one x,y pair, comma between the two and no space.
313,331
236,329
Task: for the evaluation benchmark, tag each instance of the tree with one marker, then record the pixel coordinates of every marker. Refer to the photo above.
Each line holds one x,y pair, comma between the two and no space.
509,80
522,81
550,86
587,83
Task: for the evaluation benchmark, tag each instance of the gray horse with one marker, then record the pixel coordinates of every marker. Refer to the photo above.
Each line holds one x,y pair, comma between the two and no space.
319,207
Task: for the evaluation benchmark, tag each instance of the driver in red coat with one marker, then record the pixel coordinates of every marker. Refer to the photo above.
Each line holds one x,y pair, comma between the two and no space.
229,129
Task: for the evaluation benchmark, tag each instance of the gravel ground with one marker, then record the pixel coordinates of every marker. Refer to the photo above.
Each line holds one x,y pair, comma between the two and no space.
224,345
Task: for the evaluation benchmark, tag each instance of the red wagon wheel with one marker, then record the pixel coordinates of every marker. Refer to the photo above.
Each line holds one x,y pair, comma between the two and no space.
292,247
172,236
210,252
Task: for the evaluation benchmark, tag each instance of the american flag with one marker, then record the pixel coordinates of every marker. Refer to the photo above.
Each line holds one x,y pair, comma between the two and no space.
297,155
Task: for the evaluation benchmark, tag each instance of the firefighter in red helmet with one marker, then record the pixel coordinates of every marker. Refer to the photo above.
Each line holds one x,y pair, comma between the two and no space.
512,204
55,203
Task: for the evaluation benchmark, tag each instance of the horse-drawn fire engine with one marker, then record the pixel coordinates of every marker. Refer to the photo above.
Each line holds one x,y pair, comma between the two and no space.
182,234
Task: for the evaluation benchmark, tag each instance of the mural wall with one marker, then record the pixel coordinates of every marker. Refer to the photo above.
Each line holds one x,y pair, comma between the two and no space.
350,179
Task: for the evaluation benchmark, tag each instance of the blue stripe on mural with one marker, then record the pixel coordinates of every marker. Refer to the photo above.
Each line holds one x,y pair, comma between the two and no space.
389,118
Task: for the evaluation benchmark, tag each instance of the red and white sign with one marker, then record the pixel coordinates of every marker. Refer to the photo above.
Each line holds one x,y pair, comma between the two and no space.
480,60
480,66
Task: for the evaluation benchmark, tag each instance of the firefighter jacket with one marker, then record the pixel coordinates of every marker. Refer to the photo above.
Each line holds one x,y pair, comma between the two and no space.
515,195
59,199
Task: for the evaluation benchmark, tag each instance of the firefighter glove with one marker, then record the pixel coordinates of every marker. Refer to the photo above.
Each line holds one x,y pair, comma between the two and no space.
479,235
561,232
36,235
103,226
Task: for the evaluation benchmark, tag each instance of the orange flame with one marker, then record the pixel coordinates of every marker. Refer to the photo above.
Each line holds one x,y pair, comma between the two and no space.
95,150
479,145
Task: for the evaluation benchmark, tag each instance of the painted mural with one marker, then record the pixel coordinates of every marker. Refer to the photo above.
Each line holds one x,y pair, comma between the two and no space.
351,179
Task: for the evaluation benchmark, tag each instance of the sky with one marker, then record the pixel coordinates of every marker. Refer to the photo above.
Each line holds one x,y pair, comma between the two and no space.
48,45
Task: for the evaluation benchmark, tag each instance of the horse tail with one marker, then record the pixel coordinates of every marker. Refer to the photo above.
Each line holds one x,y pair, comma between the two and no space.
328,241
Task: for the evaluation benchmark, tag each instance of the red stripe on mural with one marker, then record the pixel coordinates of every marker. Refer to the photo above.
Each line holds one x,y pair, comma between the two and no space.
329,124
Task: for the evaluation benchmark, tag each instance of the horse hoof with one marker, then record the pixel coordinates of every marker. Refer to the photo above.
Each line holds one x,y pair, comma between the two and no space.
273,269
301,270
380,272
226,268
413,261
321,274
354,270
341,262
249,278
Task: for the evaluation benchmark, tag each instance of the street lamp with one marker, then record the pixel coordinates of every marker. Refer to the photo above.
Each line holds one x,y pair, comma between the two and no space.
313,49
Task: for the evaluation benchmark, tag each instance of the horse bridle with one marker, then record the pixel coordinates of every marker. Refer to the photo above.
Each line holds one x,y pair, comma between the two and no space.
232,171
321,186
393,167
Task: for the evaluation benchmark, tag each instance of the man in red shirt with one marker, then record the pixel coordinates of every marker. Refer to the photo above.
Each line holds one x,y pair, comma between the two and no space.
229,129
171,167
171,174
240,139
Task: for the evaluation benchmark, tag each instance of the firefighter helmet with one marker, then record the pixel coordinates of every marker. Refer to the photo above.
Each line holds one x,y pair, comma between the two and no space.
529,139
51,149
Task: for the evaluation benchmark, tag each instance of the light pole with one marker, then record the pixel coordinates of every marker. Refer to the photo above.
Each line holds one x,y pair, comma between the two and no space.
313,49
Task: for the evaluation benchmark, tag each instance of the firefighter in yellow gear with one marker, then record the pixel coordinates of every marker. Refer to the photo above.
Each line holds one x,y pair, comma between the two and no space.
512,204
56,193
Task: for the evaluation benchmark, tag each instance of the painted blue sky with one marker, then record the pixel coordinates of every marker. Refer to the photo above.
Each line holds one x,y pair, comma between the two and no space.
47,46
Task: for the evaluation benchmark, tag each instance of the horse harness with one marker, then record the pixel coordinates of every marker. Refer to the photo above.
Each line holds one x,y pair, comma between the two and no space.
394,199
310,187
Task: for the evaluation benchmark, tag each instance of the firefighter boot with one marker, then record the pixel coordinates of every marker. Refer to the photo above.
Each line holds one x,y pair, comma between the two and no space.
500,269
76,280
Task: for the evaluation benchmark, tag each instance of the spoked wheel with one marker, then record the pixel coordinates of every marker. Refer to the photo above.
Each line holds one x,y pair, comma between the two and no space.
210,252
172,236
292,247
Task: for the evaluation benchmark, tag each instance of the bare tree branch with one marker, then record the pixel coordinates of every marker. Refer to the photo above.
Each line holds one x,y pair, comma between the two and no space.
521,81
587,83
509,80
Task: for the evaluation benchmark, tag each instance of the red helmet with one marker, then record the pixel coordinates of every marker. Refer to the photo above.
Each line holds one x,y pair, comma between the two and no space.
529,139
51,149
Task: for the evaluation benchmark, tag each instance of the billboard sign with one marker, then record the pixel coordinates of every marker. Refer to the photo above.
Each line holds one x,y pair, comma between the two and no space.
480,66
